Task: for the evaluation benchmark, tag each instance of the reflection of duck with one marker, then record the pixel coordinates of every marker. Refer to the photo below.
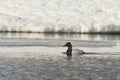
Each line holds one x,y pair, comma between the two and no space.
69,50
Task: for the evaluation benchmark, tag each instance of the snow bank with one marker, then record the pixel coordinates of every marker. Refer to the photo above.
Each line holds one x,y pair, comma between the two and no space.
60,15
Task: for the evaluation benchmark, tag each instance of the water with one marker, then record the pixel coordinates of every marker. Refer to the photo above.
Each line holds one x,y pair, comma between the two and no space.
78,16
39,57
78,40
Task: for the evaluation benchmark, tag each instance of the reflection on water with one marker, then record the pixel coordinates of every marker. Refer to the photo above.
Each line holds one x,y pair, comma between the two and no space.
62,36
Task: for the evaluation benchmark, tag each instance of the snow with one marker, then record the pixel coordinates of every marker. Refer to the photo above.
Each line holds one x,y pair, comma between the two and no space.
60,15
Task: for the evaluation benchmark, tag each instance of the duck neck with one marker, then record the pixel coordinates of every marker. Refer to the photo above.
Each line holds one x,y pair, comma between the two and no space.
69,51
69,47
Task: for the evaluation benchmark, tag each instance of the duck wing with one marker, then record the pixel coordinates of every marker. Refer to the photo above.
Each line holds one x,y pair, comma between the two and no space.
79,52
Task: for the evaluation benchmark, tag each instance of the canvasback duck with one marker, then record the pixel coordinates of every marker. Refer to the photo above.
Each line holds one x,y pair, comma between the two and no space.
69,50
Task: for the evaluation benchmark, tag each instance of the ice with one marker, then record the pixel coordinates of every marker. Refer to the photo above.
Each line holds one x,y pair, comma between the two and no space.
60,16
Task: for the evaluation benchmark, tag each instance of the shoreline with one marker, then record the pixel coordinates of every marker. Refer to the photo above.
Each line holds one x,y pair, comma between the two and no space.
62,32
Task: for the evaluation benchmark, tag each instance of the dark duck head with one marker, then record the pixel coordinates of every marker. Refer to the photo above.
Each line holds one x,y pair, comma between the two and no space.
69,50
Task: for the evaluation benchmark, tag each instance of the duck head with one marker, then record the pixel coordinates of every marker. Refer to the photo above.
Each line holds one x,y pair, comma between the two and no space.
68,44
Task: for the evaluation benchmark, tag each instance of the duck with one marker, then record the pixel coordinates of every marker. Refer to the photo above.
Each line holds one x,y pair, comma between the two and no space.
69,50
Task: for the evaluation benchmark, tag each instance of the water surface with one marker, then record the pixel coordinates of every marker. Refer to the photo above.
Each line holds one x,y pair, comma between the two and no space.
39,57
